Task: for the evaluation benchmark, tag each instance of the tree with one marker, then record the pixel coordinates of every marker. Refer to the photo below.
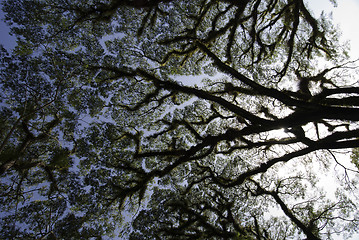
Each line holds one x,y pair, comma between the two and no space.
204,119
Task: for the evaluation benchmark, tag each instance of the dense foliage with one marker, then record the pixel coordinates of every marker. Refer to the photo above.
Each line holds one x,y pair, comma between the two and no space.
176,119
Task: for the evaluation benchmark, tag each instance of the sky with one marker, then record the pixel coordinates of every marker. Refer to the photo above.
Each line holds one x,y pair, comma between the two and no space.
346,15
5,39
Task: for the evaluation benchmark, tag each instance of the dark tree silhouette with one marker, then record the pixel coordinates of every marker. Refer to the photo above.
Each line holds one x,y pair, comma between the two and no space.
209,119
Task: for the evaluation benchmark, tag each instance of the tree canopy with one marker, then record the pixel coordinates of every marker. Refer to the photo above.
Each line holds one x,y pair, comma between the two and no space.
177,119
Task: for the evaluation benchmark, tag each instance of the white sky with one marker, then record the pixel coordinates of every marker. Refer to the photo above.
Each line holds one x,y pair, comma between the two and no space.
346,15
